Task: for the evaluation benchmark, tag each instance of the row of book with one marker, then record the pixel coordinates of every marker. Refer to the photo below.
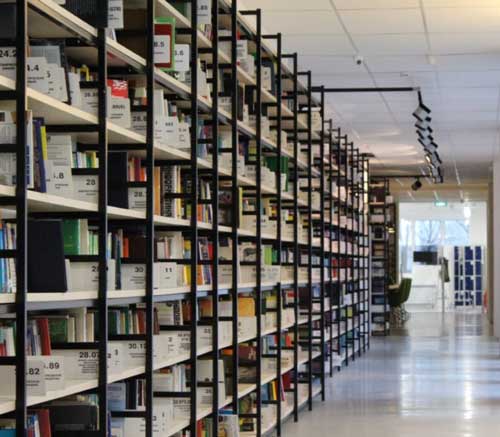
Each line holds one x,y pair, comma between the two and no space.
74,415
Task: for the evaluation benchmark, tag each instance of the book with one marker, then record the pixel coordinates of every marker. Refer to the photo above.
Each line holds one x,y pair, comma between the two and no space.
46,268
72,234
165,43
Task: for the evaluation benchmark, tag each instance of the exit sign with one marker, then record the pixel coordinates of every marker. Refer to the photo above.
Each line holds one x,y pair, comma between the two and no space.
441,204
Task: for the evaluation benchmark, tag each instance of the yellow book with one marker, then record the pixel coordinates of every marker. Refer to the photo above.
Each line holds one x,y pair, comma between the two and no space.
43,135
246,307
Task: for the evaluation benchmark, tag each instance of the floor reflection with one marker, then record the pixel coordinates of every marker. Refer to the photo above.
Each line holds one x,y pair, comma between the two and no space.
438,377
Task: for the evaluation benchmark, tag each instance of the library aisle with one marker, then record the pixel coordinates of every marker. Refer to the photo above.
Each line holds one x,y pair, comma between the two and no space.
439,382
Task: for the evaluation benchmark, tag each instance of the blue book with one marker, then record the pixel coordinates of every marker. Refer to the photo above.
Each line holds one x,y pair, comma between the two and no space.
7,433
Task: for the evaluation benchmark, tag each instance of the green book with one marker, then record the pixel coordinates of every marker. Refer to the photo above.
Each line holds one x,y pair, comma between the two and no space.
71,232
113,321
58,328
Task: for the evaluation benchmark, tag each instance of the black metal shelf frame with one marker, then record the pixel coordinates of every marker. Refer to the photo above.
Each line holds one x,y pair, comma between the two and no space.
337,147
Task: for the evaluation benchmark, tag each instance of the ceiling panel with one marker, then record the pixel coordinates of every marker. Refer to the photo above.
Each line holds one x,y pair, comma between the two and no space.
469,79
464,43
383,21
286,5
459,74
398,64
396,44
319,45
463,20
302,23
459,3
376,4
468,62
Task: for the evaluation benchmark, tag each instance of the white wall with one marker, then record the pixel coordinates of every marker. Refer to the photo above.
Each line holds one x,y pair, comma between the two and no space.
496,245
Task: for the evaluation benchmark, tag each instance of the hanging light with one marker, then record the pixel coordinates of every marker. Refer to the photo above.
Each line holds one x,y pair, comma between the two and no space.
416,185
433,159
422,113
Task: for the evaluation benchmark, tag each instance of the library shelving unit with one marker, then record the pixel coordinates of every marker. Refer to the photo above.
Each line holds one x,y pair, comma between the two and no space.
468,276
393,235
380,224
218,264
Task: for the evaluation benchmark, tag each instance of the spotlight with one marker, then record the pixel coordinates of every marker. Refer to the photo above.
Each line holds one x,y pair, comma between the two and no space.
430,147
422,113
416,185
437,175
423,125
433,159
426,135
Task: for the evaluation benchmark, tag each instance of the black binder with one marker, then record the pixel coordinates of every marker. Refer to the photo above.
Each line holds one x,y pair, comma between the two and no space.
46,264
117,179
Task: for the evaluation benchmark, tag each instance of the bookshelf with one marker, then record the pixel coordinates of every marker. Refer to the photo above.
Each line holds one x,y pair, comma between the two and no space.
253,276
380,220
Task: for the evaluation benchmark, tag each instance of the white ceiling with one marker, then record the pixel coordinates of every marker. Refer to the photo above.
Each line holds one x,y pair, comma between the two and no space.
449,48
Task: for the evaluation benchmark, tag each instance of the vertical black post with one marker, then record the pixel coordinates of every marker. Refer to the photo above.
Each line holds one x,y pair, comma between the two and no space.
357,239
369,242
322,240
340,269
235,196
330,241
351,215
150,229
215,217
296,249
103,231
386,257
279,290
194,215
345,283
309,100
21,217
364,257
258,207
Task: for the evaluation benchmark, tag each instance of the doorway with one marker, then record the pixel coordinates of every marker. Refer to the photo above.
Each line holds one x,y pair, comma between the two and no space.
442,248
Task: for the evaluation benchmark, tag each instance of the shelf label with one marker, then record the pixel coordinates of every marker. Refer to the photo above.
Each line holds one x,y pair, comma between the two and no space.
115,14
182,57
162,49
35,377
86,188
59,179
8,62
38,74
54,372
90,100
133,276
80,364
137,199
168,275
184,136
204,12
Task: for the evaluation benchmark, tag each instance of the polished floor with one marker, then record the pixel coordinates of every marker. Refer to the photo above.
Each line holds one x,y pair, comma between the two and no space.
439,377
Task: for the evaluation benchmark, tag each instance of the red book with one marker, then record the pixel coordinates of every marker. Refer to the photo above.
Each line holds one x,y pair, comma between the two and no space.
137,169
141,317
43,329
44,422
119,88
287,381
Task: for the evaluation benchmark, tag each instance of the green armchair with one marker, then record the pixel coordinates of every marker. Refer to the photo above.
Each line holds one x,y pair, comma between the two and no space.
397,299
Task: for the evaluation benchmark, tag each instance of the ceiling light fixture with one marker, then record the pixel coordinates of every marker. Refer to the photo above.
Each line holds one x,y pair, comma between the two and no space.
433,159
422,113
416,185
